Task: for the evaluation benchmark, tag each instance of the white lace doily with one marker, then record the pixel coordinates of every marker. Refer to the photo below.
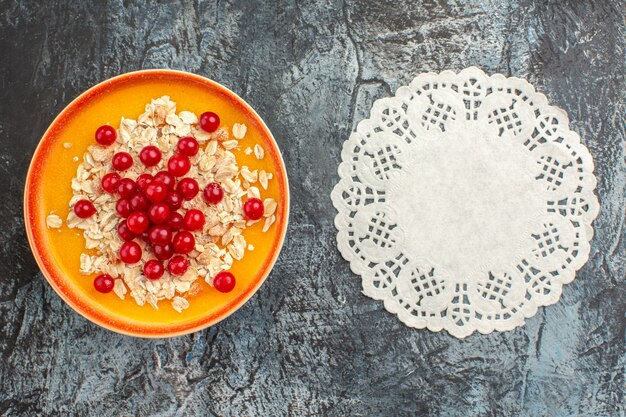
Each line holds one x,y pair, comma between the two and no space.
465,202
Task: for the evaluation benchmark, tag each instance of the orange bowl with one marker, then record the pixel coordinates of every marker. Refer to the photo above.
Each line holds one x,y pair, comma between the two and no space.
48,189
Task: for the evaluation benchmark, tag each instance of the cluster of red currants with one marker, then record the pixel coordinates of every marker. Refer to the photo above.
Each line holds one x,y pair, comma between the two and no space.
149,206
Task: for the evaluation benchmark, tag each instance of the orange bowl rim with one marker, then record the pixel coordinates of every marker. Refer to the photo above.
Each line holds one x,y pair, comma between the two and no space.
136,329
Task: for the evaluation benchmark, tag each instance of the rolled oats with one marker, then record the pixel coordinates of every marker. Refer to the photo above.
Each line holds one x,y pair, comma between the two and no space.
217,246
53,221
269,206
239,130
253,192
268,222
263,180
220,134
119,288
230,144
211,148
188,117
86,264
250,176
259,152
180,303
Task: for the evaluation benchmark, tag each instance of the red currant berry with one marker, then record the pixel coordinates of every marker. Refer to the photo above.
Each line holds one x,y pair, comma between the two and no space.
253,209
138,222
160,235
224,281
174,200
159,213
188,188
150,155
176,221
183,242
156,191
194,219
166,178
84,209
163,252
126,187
105,135
124,231
178,265
103,283
213,193
153,269
110,181
188,146
178,165
123,207
122,161
139,202
143,180
130,252
209,121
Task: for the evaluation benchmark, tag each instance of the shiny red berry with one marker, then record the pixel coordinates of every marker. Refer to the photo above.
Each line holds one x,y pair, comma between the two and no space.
84,209
253,209
224,281
188,146
174,200
110,181
176,221
123,207
178,265
153,269
139,202
178,165
122,161
166,178
183,242
209,121
103,283
213,193
156,191
188,188
163,252
138,222
124,232
150,155
194,219
160,235
126,187
143,180
105,135
130,252
159,213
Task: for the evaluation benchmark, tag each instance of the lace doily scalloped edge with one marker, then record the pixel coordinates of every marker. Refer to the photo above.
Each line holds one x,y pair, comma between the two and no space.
358,269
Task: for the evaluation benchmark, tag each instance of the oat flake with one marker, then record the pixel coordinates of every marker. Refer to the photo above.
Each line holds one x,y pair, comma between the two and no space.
239,130
259,152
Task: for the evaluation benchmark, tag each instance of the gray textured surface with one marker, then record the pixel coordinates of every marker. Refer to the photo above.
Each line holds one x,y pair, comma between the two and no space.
309,343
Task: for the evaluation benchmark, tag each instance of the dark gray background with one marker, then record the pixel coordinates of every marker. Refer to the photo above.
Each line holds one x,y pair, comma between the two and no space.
309,343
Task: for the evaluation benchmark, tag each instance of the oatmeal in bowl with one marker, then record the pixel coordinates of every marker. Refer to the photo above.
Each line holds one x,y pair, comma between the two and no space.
170,217
164,203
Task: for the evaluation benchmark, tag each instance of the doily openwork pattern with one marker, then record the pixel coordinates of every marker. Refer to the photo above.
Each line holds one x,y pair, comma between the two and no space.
465,202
